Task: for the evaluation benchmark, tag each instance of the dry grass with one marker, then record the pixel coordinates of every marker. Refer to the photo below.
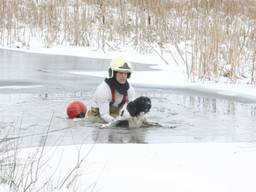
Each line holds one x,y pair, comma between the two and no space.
33,169
221,32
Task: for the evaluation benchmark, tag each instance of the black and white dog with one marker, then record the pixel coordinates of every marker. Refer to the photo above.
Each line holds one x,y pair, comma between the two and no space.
137,110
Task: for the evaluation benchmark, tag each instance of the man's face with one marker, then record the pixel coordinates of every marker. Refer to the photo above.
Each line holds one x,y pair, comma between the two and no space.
121,77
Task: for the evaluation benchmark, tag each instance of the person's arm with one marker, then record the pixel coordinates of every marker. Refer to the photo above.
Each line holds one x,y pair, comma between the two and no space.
131,97
102,98
104,112
131,93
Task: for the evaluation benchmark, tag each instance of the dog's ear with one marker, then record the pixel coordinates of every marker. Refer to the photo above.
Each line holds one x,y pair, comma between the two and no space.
143,103
131,108
139,105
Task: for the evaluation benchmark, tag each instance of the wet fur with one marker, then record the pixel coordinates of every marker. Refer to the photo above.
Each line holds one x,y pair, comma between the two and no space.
138,106
136,122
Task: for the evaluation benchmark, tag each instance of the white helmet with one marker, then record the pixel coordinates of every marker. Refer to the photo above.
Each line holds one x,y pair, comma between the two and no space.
119,64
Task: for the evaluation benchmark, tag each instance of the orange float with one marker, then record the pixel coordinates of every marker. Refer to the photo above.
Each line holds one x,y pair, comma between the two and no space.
76,109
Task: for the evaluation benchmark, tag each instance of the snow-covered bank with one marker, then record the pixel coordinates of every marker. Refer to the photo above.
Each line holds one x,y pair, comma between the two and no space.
91,52
19,87
169,80
180,167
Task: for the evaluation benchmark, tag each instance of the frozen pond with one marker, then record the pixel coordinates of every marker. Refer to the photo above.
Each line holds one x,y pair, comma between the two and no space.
36,89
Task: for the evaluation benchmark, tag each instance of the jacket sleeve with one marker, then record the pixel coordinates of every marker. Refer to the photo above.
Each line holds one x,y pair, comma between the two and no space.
131,97
102,98
131,93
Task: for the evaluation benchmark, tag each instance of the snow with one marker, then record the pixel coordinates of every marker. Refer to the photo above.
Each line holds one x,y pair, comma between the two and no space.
20,87
180,167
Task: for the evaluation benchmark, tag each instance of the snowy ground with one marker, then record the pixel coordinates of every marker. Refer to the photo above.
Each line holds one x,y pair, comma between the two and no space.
178,167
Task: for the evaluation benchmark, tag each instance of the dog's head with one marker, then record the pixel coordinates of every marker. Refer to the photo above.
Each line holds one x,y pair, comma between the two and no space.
140,105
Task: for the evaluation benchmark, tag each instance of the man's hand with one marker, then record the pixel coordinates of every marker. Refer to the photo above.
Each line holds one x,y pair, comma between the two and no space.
112,123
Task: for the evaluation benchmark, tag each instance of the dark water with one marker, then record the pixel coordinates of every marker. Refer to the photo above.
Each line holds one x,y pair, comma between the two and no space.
36,89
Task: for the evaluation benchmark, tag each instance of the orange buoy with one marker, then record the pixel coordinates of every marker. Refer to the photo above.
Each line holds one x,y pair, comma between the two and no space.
76,109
